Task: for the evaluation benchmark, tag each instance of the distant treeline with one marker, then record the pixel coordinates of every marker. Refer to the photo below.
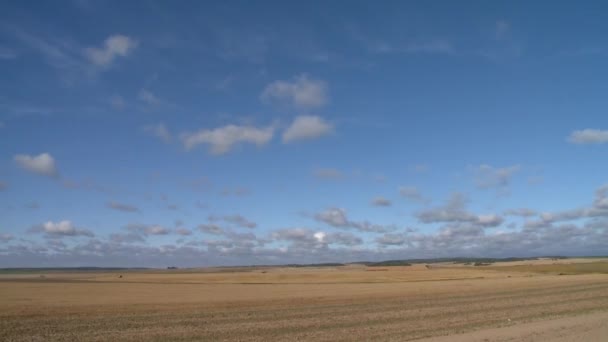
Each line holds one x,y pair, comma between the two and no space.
327,264
402,262
68,269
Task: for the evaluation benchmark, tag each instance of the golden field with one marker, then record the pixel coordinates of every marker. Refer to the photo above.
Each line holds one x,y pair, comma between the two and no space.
352,302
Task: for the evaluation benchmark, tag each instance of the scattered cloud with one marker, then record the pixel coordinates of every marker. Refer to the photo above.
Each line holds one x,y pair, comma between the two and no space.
148,98
523,212
211,228
589,136
147,229
411,193
159,130
306,127
60,229
222,140
114,46
391,239
328,174
122,207
337,217
183,231
381,202
239,221
42,164
454,211
301,92
489,177
5,237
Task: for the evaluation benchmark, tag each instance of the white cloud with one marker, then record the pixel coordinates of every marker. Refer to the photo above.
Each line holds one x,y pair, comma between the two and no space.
223,139
61,229
147,97
589,136
306,127
42,164
302,92
160,131
114,46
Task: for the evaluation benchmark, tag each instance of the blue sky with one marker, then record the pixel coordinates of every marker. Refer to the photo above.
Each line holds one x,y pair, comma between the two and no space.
153,133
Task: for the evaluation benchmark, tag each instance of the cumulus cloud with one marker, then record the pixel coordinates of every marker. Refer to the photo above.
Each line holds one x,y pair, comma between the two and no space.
239,221
60,229
381,202
114,46
306,127
5,237
523,212
337,217
147,229
454,211
328,174
391,239
158,130
210,228
223,139
598,209
487,176
411,193
183,231
122,207
42,164
589,136
301,92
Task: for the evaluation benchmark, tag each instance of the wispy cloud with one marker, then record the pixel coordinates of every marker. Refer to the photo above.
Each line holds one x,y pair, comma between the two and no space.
589,136
301,92
159,130
114,46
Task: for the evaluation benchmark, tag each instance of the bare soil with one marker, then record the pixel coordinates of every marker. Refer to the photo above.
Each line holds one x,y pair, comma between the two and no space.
316,304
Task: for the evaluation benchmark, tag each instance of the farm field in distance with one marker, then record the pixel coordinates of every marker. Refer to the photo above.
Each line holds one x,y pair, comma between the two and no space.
532,300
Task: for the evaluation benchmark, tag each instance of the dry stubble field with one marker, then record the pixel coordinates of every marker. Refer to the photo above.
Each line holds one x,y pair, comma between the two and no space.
563,300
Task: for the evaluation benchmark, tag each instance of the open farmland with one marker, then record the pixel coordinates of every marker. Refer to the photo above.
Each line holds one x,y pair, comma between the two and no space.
502,301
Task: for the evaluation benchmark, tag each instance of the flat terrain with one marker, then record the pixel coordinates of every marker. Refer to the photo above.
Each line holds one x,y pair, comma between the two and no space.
543,300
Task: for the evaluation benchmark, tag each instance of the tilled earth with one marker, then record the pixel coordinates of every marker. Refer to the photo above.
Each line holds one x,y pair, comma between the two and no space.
331,312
